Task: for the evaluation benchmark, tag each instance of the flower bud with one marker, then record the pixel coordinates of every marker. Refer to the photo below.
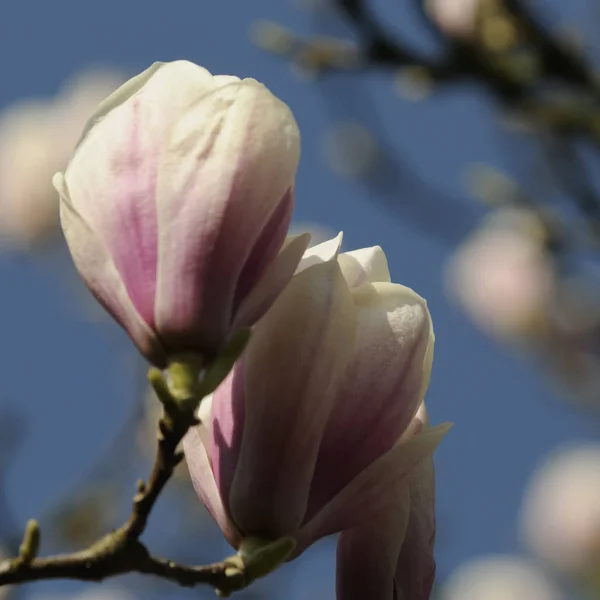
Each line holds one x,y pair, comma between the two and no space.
306,437
176,203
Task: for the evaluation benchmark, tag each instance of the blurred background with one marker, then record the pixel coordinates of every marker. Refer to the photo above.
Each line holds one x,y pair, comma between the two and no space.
460,135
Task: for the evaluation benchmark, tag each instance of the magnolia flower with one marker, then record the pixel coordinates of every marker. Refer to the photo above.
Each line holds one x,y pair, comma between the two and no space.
176,204
308,434
391,557
560,519
500,578
36,139
503,279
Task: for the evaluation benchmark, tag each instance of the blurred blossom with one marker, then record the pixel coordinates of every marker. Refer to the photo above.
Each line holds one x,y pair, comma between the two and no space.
456,18
291,447
176,204
491,186
36,139
93,592
322,53
503,278
272,37
350,150
500,578
560,519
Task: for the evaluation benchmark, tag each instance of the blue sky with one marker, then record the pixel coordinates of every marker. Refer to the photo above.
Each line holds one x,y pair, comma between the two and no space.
74,380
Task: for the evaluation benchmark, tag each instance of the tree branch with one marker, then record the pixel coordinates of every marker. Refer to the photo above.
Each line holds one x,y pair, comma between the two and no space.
121,551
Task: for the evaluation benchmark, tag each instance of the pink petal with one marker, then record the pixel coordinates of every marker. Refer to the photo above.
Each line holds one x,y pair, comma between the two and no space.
291,369
265,249
276,277
204,481
383,386
367,555
94,263
373,490
227,166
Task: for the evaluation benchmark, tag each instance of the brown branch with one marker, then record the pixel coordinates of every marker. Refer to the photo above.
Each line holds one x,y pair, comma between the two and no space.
92,565
121,551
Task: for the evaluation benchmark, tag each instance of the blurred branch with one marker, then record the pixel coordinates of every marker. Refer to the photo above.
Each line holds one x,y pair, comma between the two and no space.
122,551
505,49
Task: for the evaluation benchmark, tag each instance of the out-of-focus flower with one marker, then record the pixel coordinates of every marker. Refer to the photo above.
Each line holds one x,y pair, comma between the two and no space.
500,578
504,280
306,436
94,593
560,519
391,556
350,150
176,204
36,140
456,18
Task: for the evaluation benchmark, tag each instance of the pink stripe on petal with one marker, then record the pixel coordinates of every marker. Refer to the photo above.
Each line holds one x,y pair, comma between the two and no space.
134,235
276,277
204,484
296,356
382,388
227,428
95,266
265,249
231,158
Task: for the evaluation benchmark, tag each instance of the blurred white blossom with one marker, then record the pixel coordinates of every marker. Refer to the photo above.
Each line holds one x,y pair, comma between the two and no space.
456,18
500,578
503,278
37,137
560,519
94,592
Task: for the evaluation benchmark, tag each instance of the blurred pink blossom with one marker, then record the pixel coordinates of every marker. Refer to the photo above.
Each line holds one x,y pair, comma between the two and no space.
456,18
503,279
36,140
560,518
500,578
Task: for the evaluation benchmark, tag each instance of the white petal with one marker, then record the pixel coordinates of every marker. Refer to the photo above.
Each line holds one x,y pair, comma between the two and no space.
374,489
97,269
321,253
367,265
296,358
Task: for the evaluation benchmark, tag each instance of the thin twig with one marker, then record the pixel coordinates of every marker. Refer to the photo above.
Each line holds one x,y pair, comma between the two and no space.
121,551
